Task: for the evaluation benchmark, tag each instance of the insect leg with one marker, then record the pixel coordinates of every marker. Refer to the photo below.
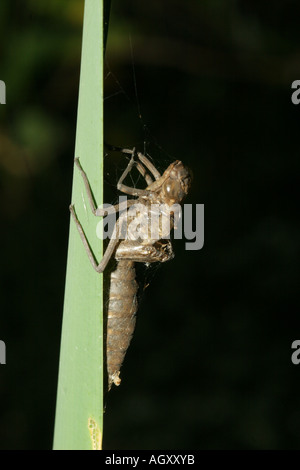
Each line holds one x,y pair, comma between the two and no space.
113,148
99,211
87,186
126,189
144,173
149,165
140,167
109,250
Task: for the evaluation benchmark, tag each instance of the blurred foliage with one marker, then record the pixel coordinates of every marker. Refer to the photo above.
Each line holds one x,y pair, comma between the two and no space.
209,366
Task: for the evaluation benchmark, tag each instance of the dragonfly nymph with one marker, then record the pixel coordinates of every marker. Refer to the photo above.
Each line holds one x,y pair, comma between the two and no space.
134,241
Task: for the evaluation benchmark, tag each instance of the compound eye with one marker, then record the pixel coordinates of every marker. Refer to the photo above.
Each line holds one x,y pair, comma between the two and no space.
173,190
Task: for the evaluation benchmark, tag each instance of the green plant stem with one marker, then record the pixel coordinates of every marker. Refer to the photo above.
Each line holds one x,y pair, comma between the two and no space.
79,408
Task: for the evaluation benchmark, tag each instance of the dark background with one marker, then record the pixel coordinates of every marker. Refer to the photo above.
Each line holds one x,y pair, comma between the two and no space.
210,364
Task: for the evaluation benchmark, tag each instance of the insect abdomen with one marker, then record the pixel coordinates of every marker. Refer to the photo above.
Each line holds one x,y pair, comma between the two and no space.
122,308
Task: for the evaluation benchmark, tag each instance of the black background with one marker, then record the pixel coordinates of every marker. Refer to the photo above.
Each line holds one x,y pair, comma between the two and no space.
210,364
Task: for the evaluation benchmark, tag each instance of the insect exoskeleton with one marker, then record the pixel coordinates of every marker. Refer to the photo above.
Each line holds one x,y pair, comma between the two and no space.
146,222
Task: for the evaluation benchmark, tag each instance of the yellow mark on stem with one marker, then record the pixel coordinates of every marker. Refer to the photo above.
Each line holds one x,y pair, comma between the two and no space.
96,434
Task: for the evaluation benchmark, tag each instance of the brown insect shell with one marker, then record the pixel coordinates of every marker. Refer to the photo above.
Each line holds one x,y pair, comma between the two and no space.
172,186
156,185
169,189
